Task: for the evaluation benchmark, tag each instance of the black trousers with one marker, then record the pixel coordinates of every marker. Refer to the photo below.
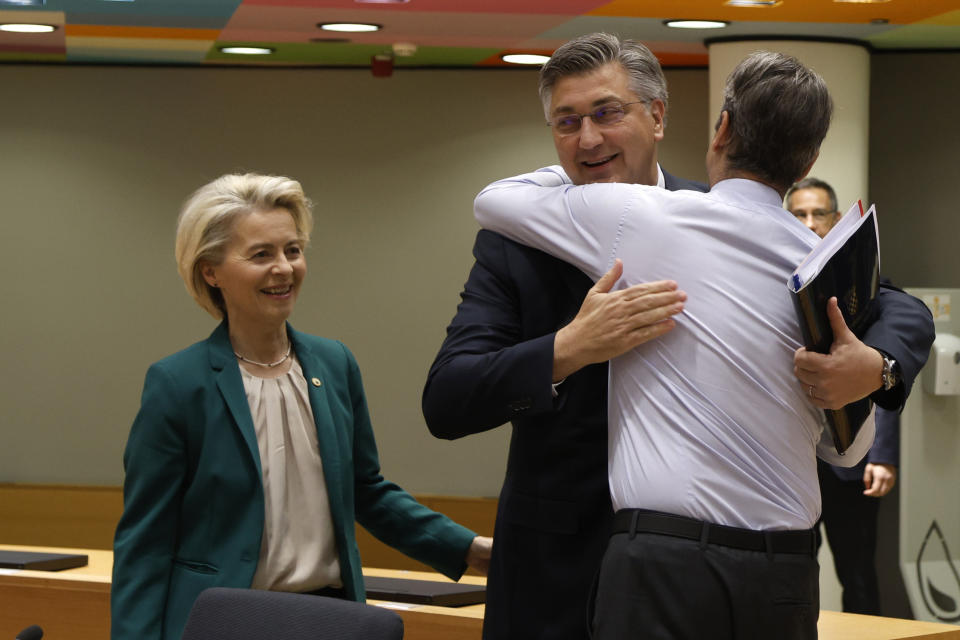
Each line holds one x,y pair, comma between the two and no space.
850,519
654,586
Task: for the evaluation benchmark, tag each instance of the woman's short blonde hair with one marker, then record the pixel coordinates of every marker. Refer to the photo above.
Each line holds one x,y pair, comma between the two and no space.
208,218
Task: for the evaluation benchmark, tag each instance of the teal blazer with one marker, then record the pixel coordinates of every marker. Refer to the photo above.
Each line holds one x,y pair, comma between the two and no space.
193,498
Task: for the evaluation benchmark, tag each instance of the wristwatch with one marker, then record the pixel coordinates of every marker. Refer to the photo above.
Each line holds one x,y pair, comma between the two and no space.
890,374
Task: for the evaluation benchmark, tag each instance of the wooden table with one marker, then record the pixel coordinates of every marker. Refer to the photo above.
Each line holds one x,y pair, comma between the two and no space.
75,605
834,625
68,604
423,622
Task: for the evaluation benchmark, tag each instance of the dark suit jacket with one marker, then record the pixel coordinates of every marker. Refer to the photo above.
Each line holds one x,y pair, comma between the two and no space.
495,366
193,497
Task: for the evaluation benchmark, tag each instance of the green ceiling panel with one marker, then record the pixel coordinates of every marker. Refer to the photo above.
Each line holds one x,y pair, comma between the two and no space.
349,54
325,53
919,36
447,56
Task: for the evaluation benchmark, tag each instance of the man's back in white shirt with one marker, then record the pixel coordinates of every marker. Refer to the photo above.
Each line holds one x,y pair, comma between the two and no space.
708,421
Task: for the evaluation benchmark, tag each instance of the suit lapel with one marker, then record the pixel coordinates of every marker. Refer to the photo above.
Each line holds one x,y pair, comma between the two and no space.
230,384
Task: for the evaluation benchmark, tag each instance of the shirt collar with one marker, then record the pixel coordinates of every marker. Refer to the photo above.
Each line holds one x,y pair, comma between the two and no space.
750,189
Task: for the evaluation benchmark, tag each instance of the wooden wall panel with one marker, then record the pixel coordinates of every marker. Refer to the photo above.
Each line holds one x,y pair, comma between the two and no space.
85,517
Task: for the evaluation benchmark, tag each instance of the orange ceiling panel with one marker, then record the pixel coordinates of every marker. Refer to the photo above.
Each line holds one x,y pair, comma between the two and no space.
112,31
895,11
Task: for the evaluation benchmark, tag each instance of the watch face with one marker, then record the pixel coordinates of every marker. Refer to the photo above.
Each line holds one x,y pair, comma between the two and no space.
889,374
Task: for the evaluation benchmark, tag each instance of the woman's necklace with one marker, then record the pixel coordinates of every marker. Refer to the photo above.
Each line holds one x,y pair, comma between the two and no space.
268,364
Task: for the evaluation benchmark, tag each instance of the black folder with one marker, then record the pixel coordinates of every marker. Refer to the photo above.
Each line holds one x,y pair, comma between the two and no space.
41,561
443,594
850,270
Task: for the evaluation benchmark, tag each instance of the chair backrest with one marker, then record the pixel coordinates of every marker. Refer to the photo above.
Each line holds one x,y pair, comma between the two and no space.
246,614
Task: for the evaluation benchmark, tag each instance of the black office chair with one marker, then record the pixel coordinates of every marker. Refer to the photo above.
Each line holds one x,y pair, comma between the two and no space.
247,614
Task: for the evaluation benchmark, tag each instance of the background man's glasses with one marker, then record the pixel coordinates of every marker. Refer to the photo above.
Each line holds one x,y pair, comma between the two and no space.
606,115
818,214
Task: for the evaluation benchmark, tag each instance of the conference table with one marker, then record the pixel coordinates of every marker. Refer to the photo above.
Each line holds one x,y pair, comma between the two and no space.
74,604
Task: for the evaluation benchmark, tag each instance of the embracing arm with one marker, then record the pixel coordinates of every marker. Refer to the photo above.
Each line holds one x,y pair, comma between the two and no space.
487,372
545,211
493,367
143,548
903,329
610,323
490,371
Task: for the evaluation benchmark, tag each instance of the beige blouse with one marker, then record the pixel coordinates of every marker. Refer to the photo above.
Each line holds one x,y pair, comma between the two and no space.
298,551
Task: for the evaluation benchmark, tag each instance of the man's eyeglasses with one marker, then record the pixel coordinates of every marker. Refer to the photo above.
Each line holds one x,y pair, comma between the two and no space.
818,214
608,114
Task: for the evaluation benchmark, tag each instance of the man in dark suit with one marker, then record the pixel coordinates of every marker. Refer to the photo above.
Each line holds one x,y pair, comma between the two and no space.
849,494
531,338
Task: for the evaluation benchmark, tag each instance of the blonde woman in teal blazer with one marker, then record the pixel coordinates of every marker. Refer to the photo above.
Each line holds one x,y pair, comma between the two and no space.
194,498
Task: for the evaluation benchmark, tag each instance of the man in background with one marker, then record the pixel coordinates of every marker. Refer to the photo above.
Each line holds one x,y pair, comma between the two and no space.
522,348
814,203
849,495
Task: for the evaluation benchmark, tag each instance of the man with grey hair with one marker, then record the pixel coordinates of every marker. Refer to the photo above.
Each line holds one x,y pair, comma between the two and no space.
713,442
523,348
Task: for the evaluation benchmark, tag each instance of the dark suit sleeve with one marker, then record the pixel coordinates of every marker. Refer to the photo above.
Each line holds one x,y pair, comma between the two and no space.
904,330
886,443
143,549
390,513
486,373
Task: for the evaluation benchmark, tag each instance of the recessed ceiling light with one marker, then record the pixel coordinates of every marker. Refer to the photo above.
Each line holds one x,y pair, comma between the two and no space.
524,58
248,51
696,24
15,27
24,3
752,3
349,27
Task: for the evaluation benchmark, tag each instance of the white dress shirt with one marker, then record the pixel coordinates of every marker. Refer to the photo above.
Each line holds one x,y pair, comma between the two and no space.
707,421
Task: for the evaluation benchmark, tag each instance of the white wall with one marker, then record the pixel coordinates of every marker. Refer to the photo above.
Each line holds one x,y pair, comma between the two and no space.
97,160
914,172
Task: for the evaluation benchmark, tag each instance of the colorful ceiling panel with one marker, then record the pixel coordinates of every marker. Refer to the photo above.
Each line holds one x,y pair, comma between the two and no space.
438,33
